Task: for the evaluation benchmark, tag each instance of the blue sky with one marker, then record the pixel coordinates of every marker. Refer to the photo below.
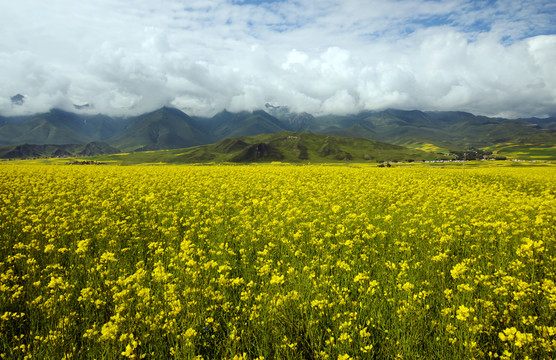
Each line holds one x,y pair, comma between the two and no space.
329,56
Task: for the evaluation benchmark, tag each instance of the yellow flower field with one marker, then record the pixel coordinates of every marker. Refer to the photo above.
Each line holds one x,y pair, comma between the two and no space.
277,262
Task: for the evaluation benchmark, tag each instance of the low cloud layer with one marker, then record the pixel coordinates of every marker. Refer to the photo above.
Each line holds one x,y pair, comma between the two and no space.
320,57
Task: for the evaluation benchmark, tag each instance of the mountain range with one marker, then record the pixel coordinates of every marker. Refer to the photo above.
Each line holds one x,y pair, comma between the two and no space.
170,128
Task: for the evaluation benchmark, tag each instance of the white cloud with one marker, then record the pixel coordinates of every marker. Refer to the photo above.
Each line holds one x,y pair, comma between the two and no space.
316,56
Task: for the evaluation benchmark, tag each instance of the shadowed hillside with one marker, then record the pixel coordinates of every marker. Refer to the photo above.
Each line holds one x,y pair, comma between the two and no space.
28,151
166,128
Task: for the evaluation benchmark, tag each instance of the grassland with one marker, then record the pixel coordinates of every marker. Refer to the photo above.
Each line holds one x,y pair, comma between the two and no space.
277,262
294,147
528,151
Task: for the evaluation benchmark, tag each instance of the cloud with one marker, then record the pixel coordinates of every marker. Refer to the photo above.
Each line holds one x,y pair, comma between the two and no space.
322,57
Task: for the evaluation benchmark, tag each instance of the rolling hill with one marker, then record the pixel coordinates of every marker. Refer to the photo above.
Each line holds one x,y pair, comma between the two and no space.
449,130
29,151
284,146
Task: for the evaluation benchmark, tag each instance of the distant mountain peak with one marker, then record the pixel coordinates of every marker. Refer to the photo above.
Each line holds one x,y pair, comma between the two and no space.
277,110
260,112
18,99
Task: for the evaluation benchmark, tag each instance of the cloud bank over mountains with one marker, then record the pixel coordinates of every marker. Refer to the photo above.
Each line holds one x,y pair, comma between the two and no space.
491,58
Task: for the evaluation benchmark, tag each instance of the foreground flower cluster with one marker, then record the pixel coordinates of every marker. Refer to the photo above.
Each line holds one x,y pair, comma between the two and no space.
277,262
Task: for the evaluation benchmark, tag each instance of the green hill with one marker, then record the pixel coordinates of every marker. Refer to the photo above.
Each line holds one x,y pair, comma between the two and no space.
285,146
166,128
28,151
444,129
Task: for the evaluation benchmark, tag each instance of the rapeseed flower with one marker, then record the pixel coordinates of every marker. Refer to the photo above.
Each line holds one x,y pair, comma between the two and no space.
276,262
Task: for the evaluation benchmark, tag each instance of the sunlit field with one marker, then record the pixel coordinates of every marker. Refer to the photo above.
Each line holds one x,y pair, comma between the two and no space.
277,262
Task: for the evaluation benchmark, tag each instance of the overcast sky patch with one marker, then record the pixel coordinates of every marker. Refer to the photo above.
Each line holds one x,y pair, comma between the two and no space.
329,56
